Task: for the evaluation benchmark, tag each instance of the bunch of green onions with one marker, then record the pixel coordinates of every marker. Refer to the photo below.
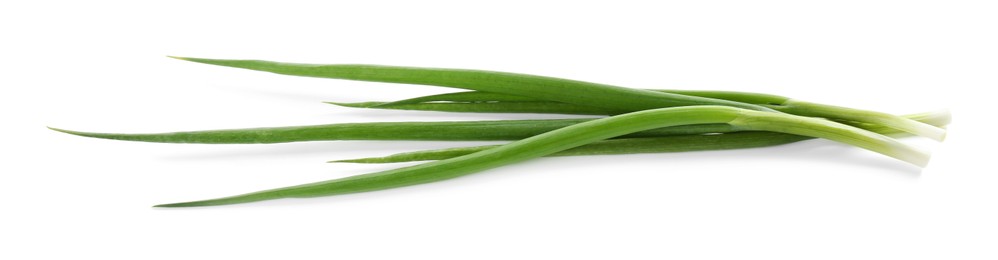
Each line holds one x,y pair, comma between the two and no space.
634,121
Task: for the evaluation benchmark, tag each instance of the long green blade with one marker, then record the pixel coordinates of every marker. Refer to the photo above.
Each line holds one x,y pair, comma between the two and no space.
660,144
425,131
545,88
478,101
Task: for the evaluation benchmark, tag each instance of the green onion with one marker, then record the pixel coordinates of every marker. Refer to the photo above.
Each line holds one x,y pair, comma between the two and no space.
496,130
662,144
581,134
477,101
659,144
544,88
427,131
640,121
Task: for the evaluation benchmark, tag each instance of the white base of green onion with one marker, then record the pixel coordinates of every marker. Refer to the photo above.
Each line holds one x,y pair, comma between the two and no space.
816,127
900,123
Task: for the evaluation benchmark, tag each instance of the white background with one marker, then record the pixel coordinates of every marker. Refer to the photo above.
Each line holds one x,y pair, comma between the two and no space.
101,66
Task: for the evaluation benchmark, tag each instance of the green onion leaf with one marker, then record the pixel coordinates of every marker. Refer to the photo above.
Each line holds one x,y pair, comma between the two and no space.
578,135
660,144
544,88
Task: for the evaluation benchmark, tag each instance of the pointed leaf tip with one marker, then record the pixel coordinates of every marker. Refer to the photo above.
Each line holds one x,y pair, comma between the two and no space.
177,205
346,161
372,104
197,60
63,130
342,104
